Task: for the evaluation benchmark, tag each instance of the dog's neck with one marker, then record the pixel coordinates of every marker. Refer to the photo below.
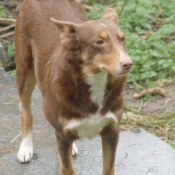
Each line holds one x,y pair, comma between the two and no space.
97,83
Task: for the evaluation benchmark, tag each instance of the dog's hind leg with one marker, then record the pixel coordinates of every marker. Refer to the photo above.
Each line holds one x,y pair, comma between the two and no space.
25,79
74,149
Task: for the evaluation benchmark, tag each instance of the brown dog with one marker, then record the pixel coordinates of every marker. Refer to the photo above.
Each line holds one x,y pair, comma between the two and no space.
80,67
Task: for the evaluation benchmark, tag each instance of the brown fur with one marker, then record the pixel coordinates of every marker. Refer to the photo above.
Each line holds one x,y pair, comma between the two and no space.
58,55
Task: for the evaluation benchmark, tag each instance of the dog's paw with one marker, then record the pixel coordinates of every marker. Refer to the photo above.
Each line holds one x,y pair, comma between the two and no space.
25,152
74,150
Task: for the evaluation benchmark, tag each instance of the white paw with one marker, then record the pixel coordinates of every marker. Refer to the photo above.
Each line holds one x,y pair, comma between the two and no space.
74,150
25,152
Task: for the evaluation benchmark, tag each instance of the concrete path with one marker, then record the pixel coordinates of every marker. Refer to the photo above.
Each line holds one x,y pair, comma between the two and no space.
138,153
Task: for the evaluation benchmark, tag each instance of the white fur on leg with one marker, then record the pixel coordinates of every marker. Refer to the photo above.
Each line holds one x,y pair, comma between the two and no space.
20,107
25,152
74,149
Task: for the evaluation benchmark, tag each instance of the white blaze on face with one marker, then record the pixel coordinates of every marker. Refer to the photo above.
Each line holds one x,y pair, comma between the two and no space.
103,25
122,56
25,152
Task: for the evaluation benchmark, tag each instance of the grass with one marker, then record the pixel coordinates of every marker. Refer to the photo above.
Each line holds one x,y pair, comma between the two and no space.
162,126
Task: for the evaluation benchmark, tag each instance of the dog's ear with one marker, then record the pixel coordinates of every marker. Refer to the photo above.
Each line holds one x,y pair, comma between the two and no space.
64,27
110,14
68,35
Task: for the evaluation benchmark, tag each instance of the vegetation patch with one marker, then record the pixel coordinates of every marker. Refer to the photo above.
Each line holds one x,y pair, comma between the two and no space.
162,126
149,29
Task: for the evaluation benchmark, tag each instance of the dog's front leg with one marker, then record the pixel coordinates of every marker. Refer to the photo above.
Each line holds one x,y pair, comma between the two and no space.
109,137
64,154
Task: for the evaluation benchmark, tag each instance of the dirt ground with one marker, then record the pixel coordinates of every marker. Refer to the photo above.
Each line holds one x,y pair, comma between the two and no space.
155,104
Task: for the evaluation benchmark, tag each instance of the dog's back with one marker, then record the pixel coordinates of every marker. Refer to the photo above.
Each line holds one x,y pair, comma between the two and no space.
38,13
39,33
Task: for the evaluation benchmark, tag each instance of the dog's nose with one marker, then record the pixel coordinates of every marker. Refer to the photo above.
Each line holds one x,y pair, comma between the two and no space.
126,64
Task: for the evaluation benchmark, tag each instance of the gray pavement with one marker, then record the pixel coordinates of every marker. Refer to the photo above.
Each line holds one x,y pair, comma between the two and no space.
138,153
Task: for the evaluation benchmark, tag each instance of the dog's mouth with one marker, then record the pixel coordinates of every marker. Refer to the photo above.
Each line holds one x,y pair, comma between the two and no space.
117,72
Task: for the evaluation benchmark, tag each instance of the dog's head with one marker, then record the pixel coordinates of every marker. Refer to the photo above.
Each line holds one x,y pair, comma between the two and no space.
100,42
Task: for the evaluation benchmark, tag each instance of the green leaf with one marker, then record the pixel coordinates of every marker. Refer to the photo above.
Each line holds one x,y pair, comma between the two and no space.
11,49
3,11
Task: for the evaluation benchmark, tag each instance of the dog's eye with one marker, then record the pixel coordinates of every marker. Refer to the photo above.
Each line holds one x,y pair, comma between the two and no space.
121,36
99,41
123,39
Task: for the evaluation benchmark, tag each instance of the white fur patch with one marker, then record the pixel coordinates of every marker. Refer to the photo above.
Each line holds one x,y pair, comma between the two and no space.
25,152
122,55
74,149
97,83
92,125
103,25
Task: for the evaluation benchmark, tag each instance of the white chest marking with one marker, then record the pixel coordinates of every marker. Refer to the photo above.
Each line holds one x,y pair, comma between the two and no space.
92,125
97,85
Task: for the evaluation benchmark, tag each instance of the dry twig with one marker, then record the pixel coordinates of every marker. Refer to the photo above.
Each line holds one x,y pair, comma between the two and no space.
6,21
7,34
7,28
151,91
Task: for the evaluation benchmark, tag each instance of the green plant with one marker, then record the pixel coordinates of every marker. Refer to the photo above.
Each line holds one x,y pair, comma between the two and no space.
96,12
12,72
3,11
149,29
10,49
172,145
